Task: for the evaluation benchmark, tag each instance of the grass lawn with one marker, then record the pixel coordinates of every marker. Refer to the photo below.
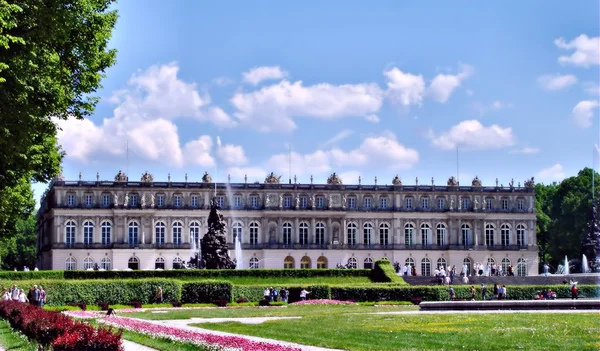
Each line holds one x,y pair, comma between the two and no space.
13,341
282,281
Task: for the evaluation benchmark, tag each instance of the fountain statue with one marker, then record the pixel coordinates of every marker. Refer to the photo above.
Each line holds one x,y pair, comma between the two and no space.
214,243
566,271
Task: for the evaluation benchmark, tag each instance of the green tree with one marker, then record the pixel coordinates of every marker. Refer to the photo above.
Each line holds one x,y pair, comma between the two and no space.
543,207
20,250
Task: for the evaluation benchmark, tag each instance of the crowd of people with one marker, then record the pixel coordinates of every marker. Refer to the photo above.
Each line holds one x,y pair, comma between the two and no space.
283,294
35,296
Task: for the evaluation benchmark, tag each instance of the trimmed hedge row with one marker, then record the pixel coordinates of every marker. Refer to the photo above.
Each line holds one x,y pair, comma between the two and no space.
384,272
256,293
207,291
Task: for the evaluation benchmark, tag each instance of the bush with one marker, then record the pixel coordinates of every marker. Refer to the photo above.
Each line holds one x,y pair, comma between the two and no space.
241,300
384,272
176,303
135,304
82,306
256,292
221,303
249,292
264,303
206,291
103,306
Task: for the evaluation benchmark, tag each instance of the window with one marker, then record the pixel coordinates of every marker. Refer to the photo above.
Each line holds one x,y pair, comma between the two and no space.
441,234
88,233
71,200
409,203
352,263
106,264
425,267
411,263
106,200
305,262
351,203
425,203
466,235
491,261
465,204
71,264
384,234
320,202
368,203
287,233
489,235
441,263
521,267
177,263
521,235
106,230
441,204
195,235
220,202
409,230
288,262
520,204
133,230
133,200
133,263
303,235
368,263
70,233
160,233
320,234
488,204
383,203
195,201
505,204
505,234
351,234
177,230
322,262
303,202
505,264
160,200
254,201
159,263
89,200
467,266
367,233
88,264
254,233
177,201
237,232
287,202
253,263
425,234
237,201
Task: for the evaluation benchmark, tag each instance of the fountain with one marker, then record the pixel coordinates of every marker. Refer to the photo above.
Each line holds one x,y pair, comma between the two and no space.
566,272
584,264
239,257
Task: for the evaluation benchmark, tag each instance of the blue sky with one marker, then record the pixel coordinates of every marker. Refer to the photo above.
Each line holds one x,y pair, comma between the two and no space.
357,88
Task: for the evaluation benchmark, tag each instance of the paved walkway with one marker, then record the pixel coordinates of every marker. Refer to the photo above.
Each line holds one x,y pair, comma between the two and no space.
485,312
131,346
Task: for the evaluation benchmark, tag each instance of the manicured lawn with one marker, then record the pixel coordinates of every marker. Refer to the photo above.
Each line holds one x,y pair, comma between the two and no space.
13,341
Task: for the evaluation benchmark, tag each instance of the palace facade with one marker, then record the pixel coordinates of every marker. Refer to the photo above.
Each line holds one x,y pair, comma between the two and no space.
149,224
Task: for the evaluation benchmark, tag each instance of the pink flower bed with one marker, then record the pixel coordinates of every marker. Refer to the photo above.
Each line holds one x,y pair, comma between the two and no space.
81,314
211,341
323,302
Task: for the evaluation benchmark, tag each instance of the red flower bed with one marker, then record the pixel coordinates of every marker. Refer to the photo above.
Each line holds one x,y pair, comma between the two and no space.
52,328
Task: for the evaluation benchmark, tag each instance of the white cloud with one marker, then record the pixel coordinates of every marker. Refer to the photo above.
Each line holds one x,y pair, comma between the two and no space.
443,85
349,177
556,82
274,107
372,118
405,88
587,51
526,150
260,74
472,135
592,88
222,81
343,134
553,173
232,155
197,152
583,112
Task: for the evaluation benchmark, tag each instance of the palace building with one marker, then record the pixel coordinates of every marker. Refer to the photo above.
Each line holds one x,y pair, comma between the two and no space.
149,224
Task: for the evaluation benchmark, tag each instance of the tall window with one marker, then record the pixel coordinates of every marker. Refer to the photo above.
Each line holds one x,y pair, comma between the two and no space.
441,204
521,235
303,234
254,233
505,204
425,234
305,262
254,263
71,200
88,233
441,234
106,264
220,201
520,204
467,265
105,200
521,267
488,204
351,203
352,263
89,200
287,233
160,233
288,262
70,264
505,234
303,202
160,200
287,202
177,263
320,202
237,201
195,235
409,203
320,234
505,264
177,201
106,229
351,234
384,203
177,233
88,263
159,263
425,267
254,201
195,201
410,262
133,200
466,234
384,234
70,233
133,263
322,262
409,230
441,263
367,233
465,204
425,203
237,232
489,234
133,231
368,263
368,203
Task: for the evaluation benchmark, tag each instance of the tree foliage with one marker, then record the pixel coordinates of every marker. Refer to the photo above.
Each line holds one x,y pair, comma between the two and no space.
19,250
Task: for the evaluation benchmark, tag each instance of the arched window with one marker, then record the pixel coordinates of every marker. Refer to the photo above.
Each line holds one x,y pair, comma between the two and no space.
287,233
177,263
70,264
320,234
521,267
253,262
195,235
367,233
322,262
467,264
237,232
88,263
88,232
159,229
303,234
425,267
254,234
288,262
521,235
159,263
505,234
106,264
305,262
352,263
491,261
106,233
425,234
368,263
489,235
505,264
411,263
466,235
409,230
133,263
352,233
133,231
441,263
440,234
384,234
70,233
177,233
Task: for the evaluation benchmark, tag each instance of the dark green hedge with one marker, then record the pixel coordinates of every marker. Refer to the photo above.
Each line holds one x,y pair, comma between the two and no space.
31,275
256,293
207,291
384,272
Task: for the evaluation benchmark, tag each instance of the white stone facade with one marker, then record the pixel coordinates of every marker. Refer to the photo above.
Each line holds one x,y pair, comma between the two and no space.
147,224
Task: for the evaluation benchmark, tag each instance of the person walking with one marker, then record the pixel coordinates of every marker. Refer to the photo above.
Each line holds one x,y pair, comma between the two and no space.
483,292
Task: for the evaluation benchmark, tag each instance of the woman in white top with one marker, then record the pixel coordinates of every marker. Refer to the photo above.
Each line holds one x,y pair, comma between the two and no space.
23,297
5,295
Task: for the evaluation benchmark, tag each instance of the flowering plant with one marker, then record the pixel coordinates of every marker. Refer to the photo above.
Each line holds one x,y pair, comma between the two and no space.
323,302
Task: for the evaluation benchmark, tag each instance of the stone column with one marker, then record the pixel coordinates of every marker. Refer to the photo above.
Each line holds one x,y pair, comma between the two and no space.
97,231
312,233
296,231
328,232
59,230
344,231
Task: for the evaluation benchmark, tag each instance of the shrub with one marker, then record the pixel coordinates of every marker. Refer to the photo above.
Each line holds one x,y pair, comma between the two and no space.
81,306
205,291
264,303
256,292
241,300
248,292
176,303
135,304
103,306
221,303
384,272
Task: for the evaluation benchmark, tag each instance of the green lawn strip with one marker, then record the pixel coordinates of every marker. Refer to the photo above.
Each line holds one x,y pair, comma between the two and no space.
491,331
12,340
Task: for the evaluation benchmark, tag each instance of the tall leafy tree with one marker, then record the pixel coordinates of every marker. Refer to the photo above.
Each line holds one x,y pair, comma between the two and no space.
543,206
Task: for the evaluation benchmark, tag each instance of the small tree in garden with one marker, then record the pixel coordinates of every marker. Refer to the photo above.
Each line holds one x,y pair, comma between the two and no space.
592,238
215,253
